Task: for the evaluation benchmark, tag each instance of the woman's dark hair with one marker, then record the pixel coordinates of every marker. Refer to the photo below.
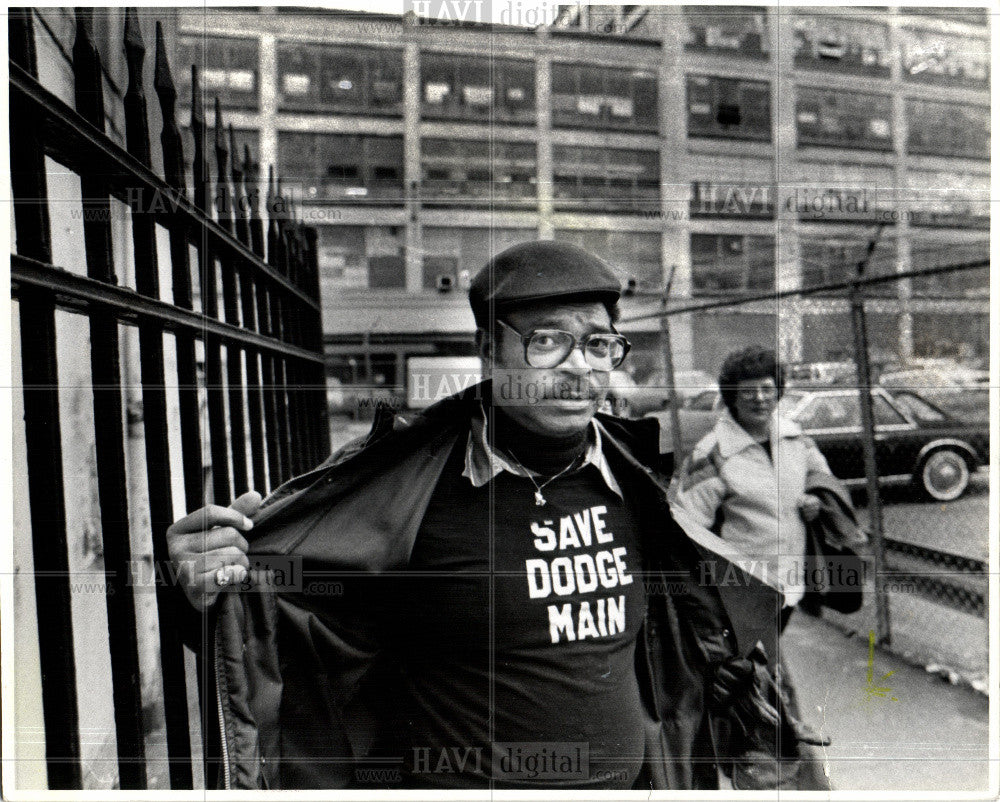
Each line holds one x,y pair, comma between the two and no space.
754,362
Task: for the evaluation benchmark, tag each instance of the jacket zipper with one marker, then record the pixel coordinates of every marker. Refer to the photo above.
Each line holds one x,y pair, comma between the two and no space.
222,720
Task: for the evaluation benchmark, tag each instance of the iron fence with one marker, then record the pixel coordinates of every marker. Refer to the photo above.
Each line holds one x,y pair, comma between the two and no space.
233,289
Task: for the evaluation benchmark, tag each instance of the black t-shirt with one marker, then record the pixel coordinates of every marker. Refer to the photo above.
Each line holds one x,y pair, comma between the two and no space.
516,631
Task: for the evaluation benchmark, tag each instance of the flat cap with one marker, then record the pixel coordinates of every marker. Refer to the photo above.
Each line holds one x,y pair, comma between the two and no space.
540,270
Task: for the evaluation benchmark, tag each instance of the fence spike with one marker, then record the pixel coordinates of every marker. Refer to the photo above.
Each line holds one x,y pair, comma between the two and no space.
251,175
134,43
170,135
272,222
163,81
136,121
222,195
87,73
21,40
199,166
239,191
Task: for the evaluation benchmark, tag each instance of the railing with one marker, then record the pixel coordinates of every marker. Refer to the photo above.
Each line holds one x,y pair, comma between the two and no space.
267,318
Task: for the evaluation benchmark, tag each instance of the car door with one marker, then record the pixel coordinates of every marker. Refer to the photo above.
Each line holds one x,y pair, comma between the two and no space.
897,439
833,420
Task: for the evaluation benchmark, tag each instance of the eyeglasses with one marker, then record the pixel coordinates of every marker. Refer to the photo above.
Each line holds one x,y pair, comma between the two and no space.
547,348
762,390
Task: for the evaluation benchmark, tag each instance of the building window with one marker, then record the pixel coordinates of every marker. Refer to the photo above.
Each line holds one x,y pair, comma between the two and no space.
939,58
738,30
477,88
731,263
634,255
827,337
726,107
228,69
453,255
842,204
606,177
948,129
959,336
843,45
353,79
949,200
831,260
843,119
634,22
357,257
711,199
966,16
971,283
458,168
342,166
600,97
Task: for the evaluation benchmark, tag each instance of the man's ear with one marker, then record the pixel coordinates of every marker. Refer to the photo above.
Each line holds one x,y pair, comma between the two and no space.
485,345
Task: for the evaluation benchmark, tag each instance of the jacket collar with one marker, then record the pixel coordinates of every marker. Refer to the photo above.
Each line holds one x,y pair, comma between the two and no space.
483,463
733,438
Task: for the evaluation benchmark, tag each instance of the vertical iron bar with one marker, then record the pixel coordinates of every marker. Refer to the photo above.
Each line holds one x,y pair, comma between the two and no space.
223,204
251,173
173,168
667,352
240,208
275,307
218,445
268,362
199,163
234,368
109,440
42,432
315,342
272,222
255,412
187,374
154,407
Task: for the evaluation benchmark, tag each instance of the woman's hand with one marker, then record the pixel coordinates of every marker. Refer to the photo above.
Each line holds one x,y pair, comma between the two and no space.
808,507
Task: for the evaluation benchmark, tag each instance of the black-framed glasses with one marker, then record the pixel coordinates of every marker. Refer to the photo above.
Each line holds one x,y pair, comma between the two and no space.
547,348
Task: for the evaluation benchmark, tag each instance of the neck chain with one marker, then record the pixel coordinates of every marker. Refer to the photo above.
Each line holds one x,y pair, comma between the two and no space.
539,498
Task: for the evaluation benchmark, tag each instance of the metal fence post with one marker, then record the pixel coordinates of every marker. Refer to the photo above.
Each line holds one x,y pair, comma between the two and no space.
868,444
667,350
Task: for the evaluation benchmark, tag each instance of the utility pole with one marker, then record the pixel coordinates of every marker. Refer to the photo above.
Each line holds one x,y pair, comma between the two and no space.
868,440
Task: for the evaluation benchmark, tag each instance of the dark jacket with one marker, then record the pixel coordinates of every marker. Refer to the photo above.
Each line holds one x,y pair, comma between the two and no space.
300,675
835,570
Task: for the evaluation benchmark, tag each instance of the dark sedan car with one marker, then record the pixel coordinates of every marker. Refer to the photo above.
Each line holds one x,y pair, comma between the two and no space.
914,439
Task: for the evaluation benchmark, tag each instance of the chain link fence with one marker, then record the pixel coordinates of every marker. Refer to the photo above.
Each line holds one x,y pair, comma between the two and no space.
916,460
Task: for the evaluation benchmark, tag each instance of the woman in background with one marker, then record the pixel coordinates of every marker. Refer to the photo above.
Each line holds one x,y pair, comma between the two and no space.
746,480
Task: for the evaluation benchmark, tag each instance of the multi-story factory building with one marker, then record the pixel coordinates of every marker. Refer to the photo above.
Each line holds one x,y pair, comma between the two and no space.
738,149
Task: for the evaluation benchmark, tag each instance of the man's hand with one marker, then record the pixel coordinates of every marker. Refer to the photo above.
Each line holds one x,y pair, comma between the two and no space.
208,551
732,679
808,507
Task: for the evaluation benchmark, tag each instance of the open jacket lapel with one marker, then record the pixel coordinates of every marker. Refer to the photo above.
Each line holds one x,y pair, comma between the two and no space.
294,671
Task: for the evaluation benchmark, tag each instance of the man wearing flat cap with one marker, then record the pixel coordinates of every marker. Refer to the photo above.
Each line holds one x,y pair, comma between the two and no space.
509,603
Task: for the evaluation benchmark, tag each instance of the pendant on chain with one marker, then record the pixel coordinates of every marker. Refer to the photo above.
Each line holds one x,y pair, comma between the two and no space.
539,499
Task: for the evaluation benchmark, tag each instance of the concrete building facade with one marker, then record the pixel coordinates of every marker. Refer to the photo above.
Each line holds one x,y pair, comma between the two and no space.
736,149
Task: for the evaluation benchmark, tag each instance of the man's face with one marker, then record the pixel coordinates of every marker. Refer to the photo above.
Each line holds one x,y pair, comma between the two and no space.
755,403
554,401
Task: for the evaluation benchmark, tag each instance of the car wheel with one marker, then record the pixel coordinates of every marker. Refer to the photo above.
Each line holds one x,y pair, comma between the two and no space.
944,475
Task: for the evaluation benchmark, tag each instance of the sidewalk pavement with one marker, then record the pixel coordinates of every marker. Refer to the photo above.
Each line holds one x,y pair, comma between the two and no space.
923,735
